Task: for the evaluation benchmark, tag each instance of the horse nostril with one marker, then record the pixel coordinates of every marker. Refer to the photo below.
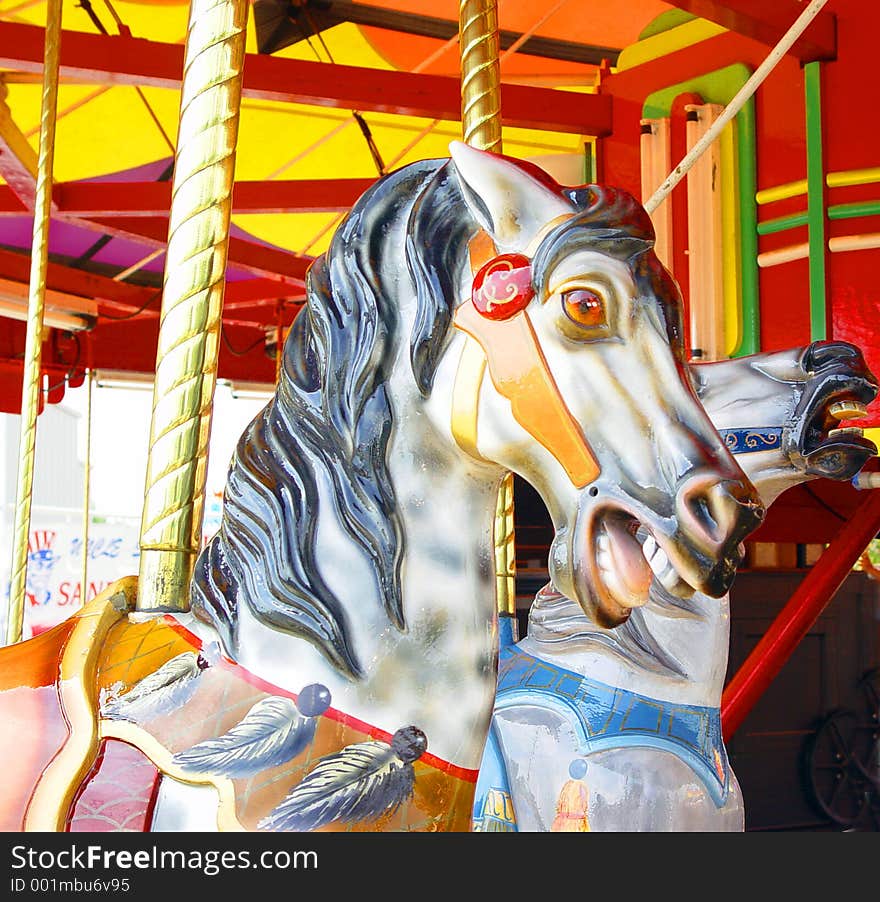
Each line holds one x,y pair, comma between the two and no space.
736,509
719,514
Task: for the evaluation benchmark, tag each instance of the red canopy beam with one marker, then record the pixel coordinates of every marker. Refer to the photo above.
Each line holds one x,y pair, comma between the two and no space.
89,199
122,297
18,160
260,259
802,610
250,292
117,59
768,22
148,225
114,295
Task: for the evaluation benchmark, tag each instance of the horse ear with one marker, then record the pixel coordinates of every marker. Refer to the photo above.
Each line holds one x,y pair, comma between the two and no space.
511,201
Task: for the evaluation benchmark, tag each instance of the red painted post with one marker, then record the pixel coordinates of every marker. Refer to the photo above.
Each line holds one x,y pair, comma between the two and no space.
799,614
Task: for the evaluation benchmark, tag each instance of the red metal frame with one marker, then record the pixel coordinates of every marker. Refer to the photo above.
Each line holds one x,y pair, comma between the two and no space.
768,22
123,60
799,614
262,260
89,199
110,294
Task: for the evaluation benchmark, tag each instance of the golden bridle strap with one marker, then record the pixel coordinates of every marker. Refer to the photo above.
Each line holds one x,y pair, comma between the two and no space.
511,352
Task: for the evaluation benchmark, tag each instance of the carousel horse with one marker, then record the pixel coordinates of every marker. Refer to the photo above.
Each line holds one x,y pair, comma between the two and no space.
337,668
619,729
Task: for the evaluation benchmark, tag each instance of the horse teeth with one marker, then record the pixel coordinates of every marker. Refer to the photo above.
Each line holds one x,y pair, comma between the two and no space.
649,546
604,560
659,562
846,430
848,410
674,584
604,542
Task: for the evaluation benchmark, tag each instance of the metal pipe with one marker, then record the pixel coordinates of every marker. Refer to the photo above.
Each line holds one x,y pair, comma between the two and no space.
719,86
782,223
836,211
747,156
745,92
853,210
189,331
802,610
854,242
138,264
87,473
480,74
481,128
815,201
505,550
33,348
784,255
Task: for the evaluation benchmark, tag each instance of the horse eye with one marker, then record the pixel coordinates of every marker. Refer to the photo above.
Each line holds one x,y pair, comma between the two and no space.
584,307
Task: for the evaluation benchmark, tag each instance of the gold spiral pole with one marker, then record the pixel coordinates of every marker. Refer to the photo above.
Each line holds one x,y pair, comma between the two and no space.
505,550
480,74
33,347
481,128
189,330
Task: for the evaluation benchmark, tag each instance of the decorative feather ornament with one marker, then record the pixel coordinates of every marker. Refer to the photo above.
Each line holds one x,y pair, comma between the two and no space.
164,690
359,783
275,730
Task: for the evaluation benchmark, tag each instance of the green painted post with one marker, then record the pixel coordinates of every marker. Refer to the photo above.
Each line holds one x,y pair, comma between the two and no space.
815,201
747,155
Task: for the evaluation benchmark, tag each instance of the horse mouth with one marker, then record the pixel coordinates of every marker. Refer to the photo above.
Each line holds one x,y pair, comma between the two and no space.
825,439
628,558
831,449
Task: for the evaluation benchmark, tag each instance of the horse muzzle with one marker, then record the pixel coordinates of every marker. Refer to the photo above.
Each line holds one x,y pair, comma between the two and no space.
618,549
838,387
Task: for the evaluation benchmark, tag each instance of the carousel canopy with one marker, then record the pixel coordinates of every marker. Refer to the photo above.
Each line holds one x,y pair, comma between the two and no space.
335,93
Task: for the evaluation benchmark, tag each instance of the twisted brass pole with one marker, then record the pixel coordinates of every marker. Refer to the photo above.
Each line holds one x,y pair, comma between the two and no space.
481,128
505,549
33,347
189,330
480,74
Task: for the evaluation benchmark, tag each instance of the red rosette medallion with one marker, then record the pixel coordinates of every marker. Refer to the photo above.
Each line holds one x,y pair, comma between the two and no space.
503,286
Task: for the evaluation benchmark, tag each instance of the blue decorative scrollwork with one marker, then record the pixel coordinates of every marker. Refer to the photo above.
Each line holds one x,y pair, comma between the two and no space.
745,441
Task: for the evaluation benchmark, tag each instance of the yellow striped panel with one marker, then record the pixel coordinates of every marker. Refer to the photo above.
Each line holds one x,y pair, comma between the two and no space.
730,240
780,192
666,42
853,177
833,179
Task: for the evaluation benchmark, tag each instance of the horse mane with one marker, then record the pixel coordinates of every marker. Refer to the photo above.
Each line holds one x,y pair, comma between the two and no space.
329,421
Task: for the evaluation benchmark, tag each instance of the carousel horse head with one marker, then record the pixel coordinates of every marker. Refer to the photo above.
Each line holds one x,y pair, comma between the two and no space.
783,413
628,464
475,310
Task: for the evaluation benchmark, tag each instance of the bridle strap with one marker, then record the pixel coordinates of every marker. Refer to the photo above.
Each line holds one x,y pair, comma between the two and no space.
510,350
471,363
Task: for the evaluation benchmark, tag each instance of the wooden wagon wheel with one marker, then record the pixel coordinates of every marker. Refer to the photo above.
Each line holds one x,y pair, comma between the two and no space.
843,783
869,726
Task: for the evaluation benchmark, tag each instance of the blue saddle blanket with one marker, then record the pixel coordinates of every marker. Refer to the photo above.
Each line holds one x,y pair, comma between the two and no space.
604,717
